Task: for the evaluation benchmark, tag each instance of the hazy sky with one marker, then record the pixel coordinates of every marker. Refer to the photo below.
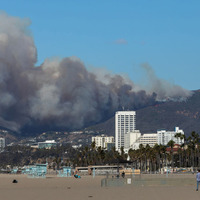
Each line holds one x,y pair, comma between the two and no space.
118,35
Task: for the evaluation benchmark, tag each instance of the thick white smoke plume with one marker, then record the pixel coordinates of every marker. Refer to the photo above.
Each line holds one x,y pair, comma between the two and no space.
59,94
164,89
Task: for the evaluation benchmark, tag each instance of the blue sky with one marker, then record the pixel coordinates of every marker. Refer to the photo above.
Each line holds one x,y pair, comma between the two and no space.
118,35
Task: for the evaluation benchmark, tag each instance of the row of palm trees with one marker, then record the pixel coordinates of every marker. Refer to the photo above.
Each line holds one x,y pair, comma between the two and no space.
146,158
90,155
151,159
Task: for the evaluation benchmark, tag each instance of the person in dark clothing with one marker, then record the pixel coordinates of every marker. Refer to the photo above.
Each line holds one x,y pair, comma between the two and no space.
123,174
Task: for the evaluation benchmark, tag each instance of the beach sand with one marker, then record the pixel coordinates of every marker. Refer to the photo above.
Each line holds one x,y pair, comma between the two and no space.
60,188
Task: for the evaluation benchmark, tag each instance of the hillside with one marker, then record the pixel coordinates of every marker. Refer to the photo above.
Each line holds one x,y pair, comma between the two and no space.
167,115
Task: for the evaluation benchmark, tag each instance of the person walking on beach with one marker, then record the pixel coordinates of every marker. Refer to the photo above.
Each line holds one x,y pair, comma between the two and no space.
198,179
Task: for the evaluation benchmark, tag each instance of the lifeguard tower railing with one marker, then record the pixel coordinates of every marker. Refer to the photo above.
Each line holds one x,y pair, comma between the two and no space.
65,172
14,170
36,171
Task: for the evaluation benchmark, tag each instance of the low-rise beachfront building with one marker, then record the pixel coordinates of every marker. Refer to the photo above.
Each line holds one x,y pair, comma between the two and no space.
132,140
103,141
165,136
148,138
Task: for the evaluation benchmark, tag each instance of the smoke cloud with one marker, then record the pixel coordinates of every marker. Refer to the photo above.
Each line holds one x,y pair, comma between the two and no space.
164,89
62,93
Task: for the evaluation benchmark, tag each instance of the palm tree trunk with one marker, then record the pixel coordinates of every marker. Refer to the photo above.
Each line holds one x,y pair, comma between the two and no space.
198,157
145,163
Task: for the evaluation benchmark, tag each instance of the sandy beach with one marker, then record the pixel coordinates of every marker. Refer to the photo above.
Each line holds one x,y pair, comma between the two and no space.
52,187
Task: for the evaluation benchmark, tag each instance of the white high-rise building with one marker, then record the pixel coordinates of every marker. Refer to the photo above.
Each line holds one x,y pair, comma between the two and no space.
124,123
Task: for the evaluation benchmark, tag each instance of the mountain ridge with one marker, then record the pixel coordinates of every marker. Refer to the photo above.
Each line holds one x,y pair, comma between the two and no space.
166,115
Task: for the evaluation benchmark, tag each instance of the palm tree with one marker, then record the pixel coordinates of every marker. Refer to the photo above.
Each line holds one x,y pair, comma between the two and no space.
182,137
158,150
152,160
178,136
193,145
134,156
146,151
171,145
196,142
57,160
191,149
93,145
141,155
163,155
122,152
101,154
183,151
